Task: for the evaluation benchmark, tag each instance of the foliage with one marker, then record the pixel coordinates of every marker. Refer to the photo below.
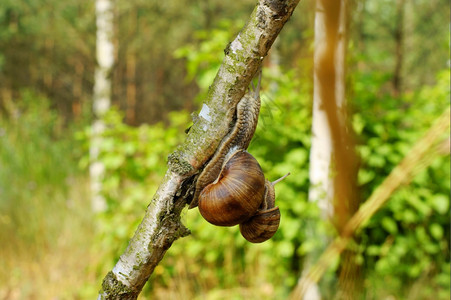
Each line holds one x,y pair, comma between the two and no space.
409,238
375,29
134,160
203,63
51,48
32,142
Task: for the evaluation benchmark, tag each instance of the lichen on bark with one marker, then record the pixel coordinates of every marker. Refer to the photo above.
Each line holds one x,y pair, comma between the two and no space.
177,164
114,289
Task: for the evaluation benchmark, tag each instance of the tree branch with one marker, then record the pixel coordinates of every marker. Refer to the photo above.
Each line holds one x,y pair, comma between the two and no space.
161,225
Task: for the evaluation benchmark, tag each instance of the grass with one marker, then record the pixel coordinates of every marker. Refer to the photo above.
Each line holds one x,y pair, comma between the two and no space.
51,257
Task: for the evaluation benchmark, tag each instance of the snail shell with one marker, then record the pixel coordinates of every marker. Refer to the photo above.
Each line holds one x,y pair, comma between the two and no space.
236,194
262,226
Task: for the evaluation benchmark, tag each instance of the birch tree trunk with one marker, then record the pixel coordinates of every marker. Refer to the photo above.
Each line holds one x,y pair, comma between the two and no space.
332,160
398,35
321,187
131,88
130,70
102,95
161,225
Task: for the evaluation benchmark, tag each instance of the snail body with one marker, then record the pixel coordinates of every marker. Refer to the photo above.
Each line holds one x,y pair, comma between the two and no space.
232,188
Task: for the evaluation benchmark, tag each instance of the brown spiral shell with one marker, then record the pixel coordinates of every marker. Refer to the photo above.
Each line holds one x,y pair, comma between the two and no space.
237,193
262,226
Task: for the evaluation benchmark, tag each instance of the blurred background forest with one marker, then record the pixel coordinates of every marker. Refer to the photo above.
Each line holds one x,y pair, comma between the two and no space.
166,54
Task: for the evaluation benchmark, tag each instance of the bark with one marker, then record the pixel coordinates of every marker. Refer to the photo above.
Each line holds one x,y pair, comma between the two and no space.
398,35
346,201
131,88
77,89
321,190
333,168
161,225
130,70
321,187
102,95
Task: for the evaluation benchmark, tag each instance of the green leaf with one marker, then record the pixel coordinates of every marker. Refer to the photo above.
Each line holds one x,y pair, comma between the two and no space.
307,247
377,161
409,216
358,123
113,161
297,156
390,225
373,250
441,204
285,249
365,176
418,204
436,231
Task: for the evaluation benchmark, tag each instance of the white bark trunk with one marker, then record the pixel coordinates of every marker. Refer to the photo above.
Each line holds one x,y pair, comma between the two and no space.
322,152
102,96
321,187
321,183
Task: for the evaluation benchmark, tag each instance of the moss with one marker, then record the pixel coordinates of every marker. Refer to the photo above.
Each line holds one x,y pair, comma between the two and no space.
178,165
240,56
112,288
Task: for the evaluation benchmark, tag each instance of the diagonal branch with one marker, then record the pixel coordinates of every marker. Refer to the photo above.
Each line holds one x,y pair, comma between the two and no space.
161,225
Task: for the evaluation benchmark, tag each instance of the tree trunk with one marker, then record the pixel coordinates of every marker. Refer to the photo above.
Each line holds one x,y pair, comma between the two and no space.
333,163
399,48
161,225
321,187
131,88
130,70
347,200
102,96
77,89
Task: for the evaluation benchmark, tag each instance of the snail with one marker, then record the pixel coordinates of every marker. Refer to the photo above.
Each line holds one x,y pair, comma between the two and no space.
264,224
232,188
